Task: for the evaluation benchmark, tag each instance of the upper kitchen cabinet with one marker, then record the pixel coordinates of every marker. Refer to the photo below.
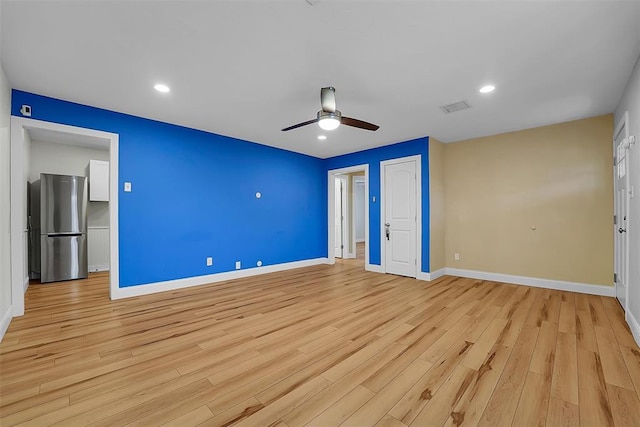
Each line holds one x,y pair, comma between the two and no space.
98,181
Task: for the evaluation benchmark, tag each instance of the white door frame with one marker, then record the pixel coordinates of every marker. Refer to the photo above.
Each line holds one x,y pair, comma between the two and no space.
622,125
344,214
417,159
354,180
331,211
20,125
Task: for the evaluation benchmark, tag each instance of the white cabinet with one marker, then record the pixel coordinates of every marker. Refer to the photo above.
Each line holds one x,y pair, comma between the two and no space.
98,181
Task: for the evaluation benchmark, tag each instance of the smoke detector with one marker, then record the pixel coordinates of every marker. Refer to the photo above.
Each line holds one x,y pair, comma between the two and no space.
456,106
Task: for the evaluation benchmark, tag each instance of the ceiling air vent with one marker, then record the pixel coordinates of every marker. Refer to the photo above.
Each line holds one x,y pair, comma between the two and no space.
456,106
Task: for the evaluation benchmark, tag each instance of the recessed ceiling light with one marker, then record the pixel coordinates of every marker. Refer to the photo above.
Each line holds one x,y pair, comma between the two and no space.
322,137
161,88
487,89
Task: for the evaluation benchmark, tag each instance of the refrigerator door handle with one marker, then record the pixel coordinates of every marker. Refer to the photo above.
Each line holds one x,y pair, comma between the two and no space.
70,233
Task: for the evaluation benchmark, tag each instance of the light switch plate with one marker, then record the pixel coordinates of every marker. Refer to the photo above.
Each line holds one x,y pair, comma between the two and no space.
127,187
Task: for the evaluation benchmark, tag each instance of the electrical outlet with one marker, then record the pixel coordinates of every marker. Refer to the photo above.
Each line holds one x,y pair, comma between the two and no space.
238,265
259,263
127,187
209,261
456,256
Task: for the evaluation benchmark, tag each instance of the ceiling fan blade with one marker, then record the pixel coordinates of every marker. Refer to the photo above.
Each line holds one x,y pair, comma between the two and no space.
328,99
300,125
359,124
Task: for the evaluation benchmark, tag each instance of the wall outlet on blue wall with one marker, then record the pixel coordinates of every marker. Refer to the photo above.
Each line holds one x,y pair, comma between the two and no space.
237,265
209,261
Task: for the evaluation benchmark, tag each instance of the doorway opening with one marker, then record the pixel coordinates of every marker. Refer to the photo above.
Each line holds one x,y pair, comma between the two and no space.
25,135
348,216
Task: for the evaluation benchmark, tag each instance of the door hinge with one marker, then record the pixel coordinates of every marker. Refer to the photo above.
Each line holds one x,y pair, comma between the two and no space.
615,219
614,161
415,262
341,246
615,278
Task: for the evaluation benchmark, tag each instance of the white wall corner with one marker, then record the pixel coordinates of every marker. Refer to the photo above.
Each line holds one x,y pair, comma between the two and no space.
6,320
373,268
170,285
424,276
438,273
558,285
634,325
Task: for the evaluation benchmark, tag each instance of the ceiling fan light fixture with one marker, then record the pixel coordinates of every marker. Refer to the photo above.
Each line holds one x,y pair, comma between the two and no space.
329,120
329,123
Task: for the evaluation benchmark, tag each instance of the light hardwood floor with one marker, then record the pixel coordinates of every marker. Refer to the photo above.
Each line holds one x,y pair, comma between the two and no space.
319,346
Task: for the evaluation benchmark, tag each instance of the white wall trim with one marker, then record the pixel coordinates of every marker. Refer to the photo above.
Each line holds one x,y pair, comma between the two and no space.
424,276
169,285
418,161
559,285
331,209
438,273
26,284
18,126
634,325
6,320
373,268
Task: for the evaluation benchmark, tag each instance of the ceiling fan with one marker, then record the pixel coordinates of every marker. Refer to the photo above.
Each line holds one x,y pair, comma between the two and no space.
329,118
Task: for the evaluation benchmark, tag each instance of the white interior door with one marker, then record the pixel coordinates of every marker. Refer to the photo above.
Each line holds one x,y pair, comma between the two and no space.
400,218
339,222
621,211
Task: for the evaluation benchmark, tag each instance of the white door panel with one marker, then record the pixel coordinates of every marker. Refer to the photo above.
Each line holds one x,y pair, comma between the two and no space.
621,146
400,215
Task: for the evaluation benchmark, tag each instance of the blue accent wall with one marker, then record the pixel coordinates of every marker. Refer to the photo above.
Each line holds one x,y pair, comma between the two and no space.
194,196
373,157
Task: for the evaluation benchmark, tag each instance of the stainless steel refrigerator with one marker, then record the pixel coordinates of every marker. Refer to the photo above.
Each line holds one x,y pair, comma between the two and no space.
58,228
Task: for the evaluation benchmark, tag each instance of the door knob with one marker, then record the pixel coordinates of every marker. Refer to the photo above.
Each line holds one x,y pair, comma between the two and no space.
621,230
386,224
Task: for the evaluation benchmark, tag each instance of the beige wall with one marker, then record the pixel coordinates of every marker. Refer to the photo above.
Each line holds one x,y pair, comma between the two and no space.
536,203
436,203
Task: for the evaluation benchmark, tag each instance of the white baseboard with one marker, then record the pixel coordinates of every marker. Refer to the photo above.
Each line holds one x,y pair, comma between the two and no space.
582,288
348,255
26,284
437,274
634,325
96,268
6,320
373,268
170,285
424,276
359,240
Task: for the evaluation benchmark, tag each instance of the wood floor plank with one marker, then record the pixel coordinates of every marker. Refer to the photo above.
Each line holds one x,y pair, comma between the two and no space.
319,346
502,406
613,365
564,384
376,408
595,409
562,413
625,406
534,401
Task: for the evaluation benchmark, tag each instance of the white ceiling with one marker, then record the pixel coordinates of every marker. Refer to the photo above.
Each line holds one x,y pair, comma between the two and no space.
246,69
52,136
